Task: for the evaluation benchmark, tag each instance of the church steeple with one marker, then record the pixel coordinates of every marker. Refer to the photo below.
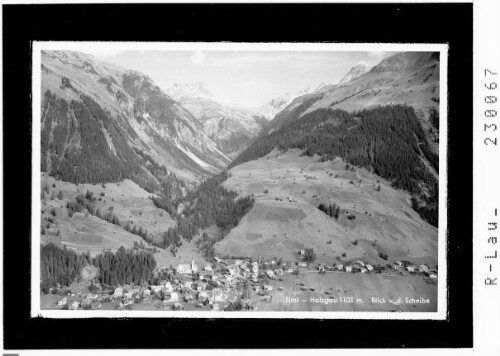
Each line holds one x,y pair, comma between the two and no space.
193,265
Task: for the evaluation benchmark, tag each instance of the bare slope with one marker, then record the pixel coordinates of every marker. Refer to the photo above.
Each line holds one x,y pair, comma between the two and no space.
384,220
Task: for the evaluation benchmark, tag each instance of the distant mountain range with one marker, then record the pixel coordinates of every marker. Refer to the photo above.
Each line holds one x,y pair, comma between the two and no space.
101,122
231,127
275,105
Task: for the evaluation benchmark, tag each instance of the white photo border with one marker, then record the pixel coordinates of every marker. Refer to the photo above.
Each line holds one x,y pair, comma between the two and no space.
442,295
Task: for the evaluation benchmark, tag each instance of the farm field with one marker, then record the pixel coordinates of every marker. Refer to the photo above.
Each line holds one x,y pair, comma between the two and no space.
347,289
289,187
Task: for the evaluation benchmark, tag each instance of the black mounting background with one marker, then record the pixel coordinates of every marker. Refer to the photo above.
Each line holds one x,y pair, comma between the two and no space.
393,23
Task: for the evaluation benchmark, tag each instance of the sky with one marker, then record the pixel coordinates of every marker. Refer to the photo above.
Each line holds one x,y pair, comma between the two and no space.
244,78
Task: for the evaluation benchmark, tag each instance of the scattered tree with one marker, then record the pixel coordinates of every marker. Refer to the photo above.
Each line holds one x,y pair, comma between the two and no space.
309,255
331,210
383,255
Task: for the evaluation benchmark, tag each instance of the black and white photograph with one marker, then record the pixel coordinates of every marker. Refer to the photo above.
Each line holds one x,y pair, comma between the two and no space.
280,178
239,180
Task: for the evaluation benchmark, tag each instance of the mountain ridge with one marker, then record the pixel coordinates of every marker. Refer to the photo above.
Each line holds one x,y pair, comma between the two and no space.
139,113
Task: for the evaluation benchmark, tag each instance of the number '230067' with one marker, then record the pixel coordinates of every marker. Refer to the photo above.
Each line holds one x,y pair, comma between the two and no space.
490,113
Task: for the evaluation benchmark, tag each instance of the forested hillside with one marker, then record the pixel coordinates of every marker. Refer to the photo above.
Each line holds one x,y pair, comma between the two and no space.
95,116
388,140
77,150
60,266
210,204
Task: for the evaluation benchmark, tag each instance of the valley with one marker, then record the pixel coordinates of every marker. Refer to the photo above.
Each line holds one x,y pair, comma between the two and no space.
173,199
231,127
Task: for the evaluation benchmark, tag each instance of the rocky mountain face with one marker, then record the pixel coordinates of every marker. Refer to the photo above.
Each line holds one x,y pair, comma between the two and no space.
101,122
275,105
355,72
230,126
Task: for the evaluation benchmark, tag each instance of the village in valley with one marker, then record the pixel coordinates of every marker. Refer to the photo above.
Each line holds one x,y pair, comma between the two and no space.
231,284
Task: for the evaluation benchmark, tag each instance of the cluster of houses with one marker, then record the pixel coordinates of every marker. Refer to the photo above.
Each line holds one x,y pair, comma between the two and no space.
214,285
361,267
308,177
220,283
423,269
207,286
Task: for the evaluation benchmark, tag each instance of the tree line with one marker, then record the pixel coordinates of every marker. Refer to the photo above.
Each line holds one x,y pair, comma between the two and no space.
125,267
61,266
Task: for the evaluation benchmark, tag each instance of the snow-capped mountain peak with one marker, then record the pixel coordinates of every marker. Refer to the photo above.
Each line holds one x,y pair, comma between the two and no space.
275,105
355,72
196,89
